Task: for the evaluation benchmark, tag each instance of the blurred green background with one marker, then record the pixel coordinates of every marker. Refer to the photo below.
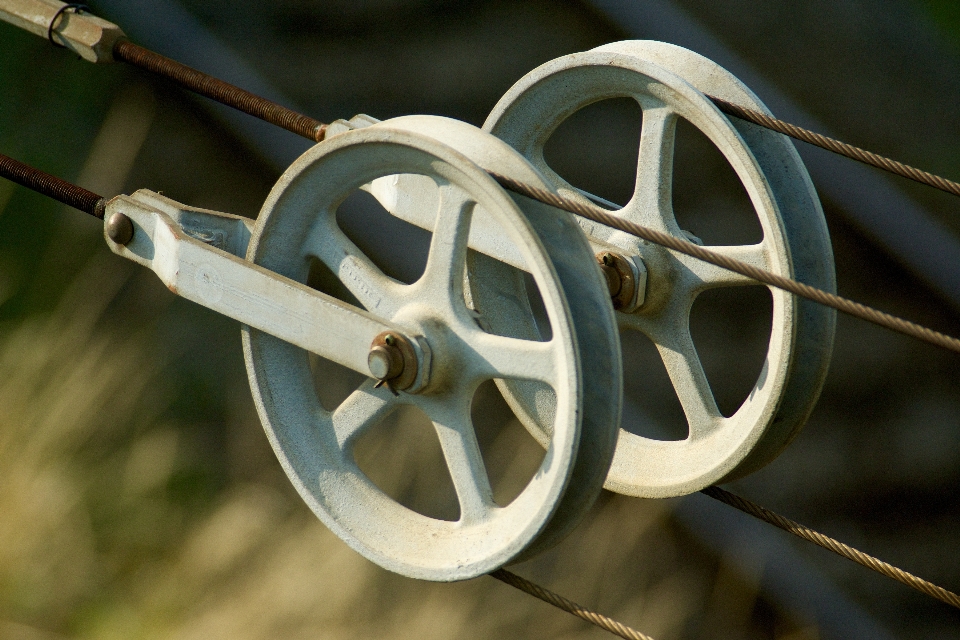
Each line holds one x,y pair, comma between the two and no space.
140,499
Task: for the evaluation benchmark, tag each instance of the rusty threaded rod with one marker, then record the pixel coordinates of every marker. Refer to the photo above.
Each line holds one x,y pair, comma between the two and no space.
52,186
222,92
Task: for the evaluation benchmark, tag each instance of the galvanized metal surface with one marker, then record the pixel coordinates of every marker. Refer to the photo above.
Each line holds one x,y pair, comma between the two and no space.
668,81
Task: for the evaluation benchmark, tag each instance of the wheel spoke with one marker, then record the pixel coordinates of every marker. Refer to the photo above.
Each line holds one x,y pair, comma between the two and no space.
701,275
465,462
652,201
511,358
443,275
362,409
376,292
683,365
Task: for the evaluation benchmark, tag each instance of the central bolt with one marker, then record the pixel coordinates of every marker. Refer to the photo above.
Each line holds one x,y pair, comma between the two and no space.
392,360
621,279
385,363
608,266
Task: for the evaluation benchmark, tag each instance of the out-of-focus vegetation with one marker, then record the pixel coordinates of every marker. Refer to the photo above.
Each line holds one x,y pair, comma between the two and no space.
947,15
106,534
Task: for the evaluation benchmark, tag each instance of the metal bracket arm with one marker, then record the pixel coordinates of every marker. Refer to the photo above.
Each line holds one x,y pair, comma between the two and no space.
239,289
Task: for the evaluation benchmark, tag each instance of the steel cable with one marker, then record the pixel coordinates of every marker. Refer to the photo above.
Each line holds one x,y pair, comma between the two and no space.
608,218
314,130
555,599
836,146
836,546
93,204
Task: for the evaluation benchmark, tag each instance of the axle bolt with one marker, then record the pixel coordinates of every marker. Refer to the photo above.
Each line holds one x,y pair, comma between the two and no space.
609,269
626,280
393,361
385,363
621,279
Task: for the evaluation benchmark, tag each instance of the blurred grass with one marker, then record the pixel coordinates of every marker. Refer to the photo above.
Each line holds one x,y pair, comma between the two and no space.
97,544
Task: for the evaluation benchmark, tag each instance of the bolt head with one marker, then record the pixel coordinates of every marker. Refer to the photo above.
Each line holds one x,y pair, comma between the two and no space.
392,359
621,279
608,266
120,228
385,362
379,362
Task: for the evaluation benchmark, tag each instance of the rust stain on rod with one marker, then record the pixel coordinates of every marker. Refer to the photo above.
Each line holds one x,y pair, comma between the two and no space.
52,186
221,91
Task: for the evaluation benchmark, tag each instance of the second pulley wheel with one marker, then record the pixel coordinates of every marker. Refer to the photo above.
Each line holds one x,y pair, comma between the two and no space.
669,83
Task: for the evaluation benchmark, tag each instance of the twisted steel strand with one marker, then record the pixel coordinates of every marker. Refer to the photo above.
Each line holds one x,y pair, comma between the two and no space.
315,130
93,204
836,146
836,546
856,309
555,599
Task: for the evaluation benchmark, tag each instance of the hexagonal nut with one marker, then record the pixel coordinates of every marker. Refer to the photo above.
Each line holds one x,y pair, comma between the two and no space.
626,279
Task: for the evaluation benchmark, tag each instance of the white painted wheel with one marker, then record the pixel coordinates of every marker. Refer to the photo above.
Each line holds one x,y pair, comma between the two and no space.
298,225
668,83
493,262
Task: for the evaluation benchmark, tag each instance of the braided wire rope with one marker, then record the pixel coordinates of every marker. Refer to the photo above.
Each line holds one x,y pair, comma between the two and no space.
314,130
845,305
836,146
558,601
833,545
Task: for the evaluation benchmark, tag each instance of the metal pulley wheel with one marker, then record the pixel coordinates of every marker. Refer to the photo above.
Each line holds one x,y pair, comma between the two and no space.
494,260
669,83
452,354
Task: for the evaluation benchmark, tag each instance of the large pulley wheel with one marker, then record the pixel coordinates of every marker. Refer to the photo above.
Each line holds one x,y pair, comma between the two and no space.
669,83
315,446
494,262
